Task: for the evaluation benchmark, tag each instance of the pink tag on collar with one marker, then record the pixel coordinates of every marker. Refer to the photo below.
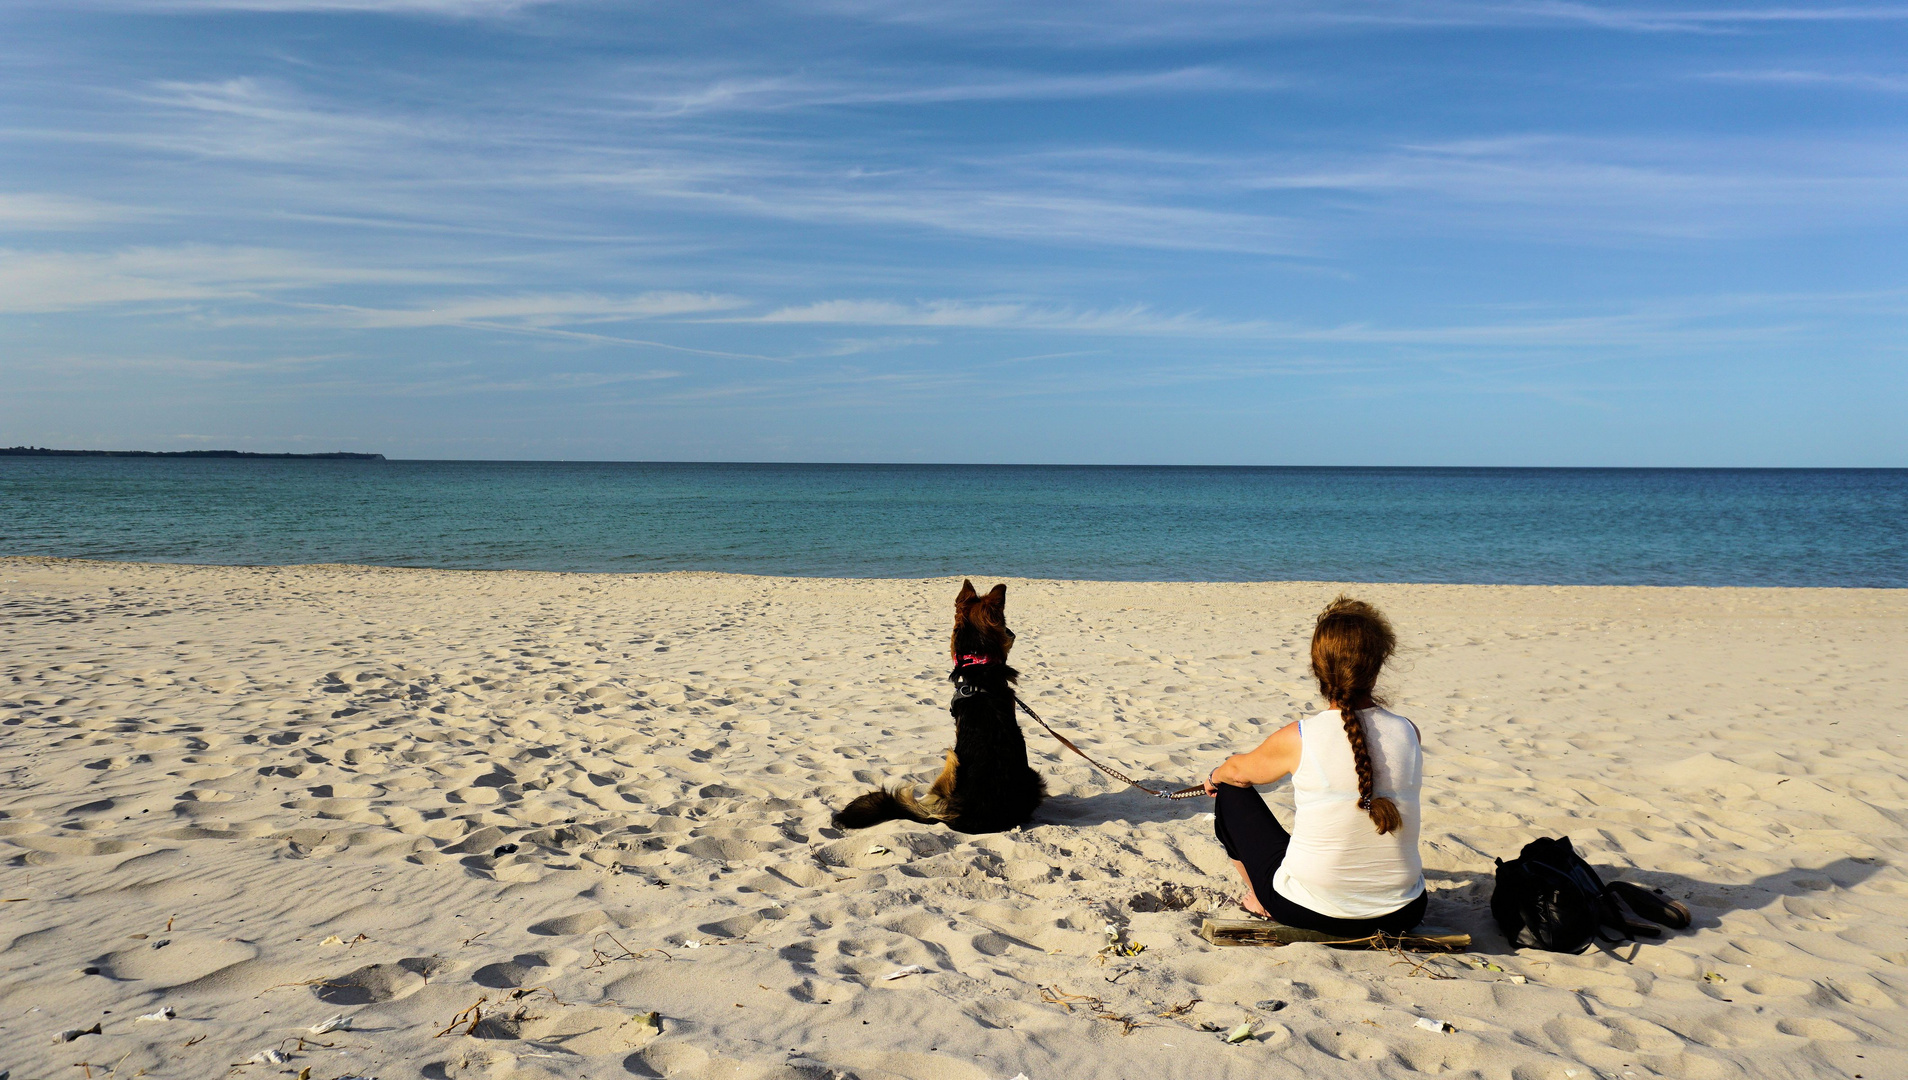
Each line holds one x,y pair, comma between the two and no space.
971,660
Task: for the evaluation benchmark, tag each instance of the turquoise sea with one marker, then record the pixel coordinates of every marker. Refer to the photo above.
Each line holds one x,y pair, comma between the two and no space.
1841,527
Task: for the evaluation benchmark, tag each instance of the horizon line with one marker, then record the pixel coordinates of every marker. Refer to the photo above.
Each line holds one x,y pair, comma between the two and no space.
376,457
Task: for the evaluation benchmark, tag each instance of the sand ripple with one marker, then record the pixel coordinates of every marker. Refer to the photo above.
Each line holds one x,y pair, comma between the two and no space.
268,796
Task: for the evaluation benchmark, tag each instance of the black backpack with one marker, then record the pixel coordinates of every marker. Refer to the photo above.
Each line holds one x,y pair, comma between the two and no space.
1549,898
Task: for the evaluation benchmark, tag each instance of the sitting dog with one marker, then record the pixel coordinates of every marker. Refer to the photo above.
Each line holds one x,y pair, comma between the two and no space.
986,785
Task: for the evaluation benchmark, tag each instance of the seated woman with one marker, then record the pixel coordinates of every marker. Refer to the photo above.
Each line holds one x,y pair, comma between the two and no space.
1350,864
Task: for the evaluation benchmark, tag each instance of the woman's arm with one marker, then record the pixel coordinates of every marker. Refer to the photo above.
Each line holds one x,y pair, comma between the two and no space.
1273,760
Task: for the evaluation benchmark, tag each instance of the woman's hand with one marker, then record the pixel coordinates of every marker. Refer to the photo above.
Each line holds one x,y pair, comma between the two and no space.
1273,760
1227,772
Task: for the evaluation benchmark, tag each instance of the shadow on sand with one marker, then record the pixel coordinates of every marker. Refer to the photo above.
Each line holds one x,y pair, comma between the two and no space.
1462,899
1126,806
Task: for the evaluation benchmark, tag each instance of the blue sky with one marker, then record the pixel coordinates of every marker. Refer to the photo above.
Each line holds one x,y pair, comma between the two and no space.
1187,231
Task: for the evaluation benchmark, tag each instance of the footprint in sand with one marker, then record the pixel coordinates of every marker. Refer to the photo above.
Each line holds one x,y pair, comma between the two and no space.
580,923
1640,1035
722,850
1440,1054
1333,989
1809,1027
1731,1030
173,959
992,944
1347,1045
46,850
1585,1039
523,969
371,984
205,795
738,925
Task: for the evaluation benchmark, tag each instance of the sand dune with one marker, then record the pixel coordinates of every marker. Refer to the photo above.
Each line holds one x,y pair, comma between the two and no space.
267,797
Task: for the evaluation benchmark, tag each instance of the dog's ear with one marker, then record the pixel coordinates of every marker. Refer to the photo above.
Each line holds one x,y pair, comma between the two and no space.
997,599
967,593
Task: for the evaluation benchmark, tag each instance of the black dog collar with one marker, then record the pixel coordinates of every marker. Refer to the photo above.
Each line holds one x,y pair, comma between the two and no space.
963,688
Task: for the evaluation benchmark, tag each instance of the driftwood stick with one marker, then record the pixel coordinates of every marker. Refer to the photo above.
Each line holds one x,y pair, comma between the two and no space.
1255,932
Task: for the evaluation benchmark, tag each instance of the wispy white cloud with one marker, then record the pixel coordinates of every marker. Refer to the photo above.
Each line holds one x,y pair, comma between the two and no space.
429,168
1653,18
64,280
62,368
845,347
1712,320
741,175
31,211
1047,214
1118,20
1077,22
1136,320
473,383
889,198
1574,188
536,310
678,90
543,315
578,163
463,9
553,317
1790,77
255,119
267,288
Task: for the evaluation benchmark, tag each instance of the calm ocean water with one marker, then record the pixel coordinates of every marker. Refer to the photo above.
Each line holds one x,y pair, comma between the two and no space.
1536,526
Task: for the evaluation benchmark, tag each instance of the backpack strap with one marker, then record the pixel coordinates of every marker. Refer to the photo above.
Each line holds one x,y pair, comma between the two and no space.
1559,857
1609,914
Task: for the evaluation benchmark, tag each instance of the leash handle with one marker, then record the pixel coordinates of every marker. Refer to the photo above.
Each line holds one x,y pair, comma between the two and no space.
1182,793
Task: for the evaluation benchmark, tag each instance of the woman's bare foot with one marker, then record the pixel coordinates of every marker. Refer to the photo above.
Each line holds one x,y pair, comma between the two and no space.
1250,901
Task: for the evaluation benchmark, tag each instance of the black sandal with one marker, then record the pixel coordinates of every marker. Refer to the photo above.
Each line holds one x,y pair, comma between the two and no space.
1652,904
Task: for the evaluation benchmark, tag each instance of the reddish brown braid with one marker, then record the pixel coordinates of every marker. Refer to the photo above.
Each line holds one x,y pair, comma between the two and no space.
1349,646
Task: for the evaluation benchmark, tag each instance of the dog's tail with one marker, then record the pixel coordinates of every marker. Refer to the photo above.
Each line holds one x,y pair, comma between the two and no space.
882,804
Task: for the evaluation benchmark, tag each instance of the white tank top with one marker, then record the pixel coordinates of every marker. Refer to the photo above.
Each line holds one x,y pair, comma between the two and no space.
1338,864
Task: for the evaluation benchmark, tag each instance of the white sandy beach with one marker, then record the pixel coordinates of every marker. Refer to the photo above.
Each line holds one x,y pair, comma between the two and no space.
264,797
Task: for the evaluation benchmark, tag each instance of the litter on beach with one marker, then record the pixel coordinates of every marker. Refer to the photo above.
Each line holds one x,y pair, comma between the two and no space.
166,1013
340,1022
1429,1024
1240,1033
70,1034
904,972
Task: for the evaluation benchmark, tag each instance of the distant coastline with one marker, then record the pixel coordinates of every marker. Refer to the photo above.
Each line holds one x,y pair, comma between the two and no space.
40,451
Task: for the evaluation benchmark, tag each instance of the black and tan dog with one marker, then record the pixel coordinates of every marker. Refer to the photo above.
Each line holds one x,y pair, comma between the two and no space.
986,785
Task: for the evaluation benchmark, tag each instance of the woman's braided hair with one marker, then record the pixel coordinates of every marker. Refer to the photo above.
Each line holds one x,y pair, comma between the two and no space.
1351,643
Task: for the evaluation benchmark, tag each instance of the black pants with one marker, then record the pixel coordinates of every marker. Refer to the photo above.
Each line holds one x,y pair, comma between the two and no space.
1245,825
